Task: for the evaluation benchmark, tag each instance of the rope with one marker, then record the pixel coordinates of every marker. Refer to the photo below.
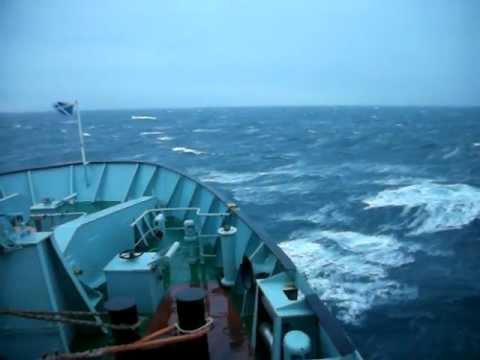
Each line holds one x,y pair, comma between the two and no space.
204,326
59,317
67,313
146,343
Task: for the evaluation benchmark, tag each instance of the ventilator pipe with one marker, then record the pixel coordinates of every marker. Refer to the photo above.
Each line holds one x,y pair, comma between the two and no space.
191,241
228,255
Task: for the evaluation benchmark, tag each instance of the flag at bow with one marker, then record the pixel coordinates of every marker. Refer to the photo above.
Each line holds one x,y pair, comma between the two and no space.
73,110
65,108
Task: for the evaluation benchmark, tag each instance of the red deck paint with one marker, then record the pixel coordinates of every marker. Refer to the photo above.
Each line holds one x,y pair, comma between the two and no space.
227,339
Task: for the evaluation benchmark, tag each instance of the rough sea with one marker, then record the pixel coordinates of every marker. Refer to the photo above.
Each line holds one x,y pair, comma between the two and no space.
379,206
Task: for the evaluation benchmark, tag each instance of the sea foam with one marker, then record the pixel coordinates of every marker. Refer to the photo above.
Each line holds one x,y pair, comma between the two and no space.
230,177
206,130
434,207
144,133
326,215
187,150
350,270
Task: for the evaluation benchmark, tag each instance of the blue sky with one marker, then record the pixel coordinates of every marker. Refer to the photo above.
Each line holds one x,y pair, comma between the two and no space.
126,54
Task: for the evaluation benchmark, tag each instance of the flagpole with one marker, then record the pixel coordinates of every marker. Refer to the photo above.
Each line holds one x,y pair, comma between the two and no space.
80,133
82,143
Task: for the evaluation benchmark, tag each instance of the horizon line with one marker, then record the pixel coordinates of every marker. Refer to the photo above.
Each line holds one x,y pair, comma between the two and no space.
251,106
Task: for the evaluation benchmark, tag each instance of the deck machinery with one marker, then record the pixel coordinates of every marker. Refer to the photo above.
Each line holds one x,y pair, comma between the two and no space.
74,236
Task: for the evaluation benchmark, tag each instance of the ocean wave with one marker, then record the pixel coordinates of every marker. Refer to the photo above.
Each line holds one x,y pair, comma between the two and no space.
230,177
326,215
251,130
401,180
350,270
438,207
272,193
227,177
206,130
451,153
187,150
299,169
145,133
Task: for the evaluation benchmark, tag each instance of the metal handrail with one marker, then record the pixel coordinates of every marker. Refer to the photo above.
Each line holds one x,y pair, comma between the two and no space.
152,227
196,209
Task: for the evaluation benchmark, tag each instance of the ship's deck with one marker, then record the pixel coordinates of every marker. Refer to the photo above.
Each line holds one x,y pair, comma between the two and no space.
229,337
90,214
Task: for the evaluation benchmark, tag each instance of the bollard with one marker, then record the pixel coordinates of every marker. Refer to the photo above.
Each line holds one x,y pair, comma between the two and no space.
191,316
123,310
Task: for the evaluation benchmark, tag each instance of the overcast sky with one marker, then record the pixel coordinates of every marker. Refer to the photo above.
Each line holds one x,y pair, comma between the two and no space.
158,53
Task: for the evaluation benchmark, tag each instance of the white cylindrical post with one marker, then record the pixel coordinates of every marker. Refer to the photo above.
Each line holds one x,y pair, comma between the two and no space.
228,255
296,345
80,133
191,241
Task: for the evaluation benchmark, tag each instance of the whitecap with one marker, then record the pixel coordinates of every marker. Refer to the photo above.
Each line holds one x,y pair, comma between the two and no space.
226,177
350,270
270,194
63,131
451,154
86,134
187,150
165,138
401,180
230,177
476,144
266,192
326,215
144,133
440,207
251,130
206,130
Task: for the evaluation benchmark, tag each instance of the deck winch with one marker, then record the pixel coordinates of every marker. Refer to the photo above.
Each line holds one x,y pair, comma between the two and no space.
136,277
139,275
